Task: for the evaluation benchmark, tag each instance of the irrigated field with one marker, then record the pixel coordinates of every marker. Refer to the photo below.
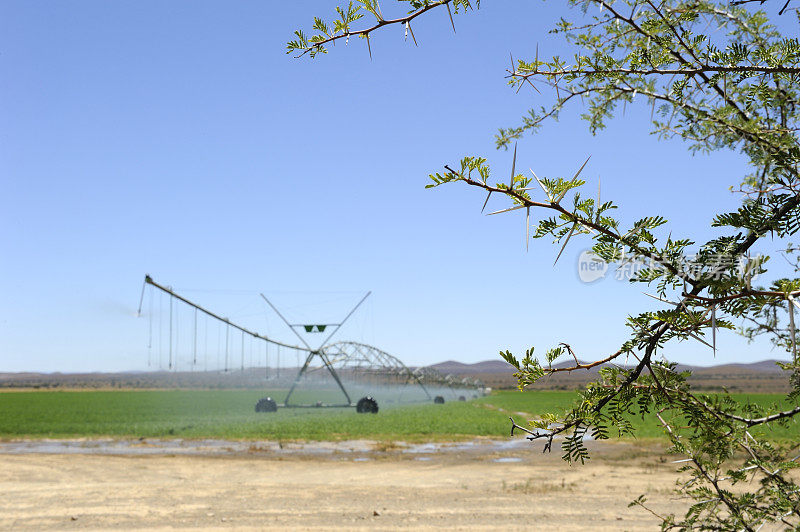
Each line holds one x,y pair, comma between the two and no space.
230,414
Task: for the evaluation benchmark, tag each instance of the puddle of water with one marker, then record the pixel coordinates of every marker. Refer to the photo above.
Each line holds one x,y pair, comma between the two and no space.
214,447
507,459
511,444
421,448
476,445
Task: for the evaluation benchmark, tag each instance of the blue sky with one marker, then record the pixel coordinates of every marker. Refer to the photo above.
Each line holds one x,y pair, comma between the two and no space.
178,139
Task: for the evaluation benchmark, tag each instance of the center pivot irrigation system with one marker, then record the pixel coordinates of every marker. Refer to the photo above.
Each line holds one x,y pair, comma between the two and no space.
352,366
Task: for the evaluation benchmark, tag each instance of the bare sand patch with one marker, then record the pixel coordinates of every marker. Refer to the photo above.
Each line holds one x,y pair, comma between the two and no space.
381,488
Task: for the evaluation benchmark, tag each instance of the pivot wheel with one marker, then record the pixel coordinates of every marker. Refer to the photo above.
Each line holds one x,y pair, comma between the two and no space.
439,400
266,404
367,405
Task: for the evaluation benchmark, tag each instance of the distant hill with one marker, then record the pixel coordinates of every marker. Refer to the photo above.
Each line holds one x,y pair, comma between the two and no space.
501,366
487,366
764,366
762,377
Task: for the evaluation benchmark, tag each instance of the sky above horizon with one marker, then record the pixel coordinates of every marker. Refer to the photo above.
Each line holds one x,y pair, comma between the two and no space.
178,139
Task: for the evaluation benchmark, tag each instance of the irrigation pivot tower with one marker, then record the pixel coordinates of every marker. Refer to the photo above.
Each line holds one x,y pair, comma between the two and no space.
317,352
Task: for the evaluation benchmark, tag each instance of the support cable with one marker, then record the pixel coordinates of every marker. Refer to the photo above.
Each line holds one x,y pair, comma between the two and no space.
160,329
194,347
170,333
219,346
150,331
177,337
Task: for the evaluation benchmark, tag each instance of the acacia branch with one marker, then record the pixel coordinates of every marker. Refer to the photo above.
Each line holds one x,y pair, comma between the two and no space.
381,22
732,506
655,71
751,422
630,379
758,138
524,201
588,366
683,61
743,294
774,475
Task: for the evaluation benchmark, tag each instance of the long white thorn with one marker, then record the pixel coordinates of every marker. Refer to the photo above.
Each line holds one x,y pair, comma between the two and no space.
546,192
561,196
714,328
527,229
597,205
598,191
410,29
513,168
581,168
699,339
660,299
506,210
574,225
489,195
451,18
792,328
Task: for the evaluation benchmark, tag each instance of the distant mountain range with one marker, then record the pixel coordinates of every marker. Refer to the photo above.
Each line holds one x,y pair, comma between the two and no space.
500,366
757,377
487,366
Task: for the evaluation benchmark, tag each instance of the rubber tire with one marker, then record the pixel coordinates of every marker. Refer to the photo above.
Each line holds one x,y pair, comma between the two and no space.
367,405
462,398
266,404
439,400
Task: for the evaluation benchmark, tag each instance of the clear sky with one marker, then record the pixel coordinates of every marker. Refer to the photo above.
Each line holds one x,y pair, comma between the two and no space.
178,139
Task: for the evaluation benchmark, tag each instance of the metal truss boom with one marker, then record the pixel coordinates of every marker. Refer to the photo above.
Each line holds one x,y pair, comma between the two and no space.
149,280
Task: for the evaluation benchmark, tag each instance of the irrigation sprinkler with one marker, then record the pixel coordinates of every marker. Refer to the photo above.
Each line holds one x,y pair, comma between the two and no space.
356,369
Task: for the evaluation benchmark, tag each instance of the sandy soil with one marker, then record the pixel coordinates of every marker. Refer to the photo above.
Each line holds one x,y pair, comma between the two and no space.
376,488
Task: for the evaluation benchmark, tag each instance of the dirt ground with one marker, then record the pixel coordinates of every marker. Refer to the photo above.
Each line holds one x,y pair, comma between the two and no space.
377,486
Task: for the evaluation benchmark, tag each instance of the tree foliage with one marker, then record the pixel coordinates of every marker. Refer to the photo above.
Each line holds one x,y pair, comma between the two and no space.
719,76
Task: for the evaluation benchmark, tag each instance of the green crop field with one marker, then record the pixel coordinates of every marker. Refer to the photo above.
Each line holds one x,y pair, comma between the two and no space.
555,401
230,414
